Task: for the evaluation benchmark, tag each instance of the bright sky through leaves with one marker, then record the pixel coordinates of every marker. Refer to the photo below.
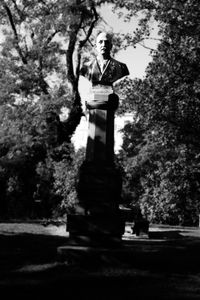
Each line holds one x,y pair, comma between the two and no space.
137,58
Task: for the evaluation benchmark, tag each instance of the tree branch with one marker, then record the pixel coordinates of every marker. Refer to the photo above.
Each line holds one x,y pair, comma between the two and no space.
69,58
73,79
10,17
84,41
50,37
20,13
88,38
96,17
42,83
146,47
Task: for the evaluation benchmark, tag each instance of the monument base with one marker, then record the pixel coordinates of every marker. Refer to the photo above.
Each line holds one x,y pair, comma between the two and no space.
95,230
97,215
90,256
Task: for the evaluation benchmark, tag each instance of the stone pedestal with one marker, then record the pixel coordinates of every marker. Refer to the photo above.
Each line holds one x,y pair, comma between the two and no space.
97,214
100,142
97,217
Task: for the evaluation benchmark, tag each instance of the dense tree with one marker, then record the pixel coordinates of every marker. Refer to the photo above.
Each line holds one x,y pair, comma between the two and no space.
44,39
43,45
165,170
41,51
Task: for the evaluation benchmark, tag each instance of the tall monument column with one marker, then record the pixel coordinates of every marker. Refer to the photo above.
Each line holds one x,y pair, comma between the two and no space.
97,216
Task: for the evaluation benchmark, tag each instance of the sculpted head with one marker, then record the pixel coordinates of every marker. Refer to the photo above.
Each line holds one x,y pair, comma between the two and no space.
104,44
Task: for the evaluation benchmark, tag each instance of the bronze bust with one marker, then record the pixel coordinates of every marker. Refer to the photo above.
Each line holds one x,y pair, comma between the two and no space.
112,69
103,71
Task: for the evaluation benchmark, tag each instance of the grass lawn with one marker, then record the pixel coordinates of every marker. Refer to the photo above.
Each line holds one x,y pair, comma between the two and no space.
164,266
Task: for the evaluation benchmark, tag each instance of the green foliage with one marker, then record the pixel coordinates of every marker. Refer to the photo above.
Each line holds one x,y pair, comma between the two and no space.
163,172
164,180
65,181
40,59
38,77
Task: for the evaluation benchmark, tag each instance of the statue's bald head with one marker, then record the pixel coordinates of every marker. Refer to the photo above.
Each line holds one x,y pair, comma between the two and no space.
101,34
104,43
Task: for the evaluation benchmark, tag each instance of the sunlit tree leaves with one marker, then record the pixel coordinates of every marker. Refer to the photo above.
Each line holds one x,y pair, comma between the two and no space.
165,165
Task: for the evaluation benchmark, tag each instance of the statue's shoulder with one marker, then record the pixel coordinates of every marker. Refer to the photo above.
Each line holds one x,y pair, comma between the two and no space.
122,67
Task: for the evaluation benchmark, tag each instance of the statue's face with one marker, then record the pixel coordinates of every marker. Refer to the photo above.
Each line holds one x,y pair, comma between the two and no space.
103,44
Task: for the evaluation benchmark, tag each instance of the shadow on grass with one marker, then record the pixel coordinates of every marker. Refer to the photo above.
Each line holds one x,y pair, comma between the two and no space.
29,267
19,249
167,250
165,234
